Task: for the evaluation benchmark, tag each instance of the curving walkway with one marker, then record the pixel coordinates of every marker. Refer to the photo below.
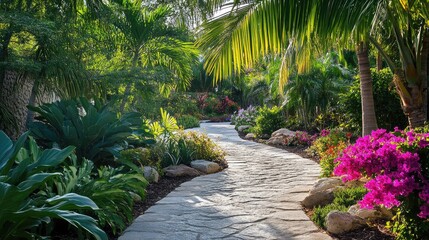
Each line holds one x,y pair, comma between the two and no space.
257,197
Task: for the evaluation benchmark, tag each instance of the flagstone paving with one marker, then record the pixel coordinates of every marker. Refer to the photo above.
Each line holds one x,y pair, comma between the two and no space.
257,197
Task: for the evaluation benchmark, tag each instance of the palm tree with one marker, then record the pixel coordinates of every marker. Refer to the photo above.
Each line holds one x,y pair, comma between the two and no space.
37,54
147,41
259,27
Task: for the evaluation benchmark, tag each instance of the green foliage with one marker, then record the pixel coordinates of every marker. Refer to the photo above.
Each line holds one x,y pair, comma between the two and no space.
165,127
328,147
188,121
406,225
343,199
320,213
24,173
139,156
111,189
268,121
183,147
388,110
97,133
349,196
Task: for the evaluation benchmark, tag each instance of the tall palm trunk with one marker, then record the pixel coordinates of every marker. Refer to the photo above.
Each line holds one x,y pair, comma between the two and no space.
369,121
15,93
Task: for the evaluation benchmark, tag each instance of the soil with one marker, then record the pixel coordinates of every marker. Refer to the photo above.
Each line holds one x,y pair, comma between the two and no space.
157,191
376,231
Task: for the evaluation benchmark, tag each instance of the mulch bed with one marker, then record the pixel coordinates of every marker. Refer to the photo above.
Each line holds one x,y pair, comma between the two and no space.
376,232
157,191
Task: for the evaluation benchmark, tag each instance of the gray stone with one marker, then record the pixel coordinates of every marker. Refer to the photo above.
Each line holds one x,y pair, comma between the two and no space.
370,214
325,184
150,174
318,199
136,197
284,132
250,136
340,222
205,166
243,127
180,171
277,140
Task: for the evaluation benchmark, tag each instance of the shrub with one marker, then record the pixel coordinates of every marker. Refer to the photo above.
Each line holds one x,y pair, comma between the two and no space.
343,199
397,164
244,117
110,188
188,121
328,147
138,156
301,138
226,106
25,174
97,133
388,109
183,147
320,213
349,196
268,121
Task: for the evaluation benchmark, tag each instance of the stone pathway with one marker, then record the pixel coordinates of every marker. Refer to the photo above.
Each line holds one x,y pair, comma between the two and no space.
257,197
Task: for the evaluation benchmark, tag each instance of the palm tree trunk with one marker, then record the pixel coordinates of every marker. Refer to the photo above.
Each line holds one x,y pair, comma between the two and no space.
425,73
16,91
379,61
369,121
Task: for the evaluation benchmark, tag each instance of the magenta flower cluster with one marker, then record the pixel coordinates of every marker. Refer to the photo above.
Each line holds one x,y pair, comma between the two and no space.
304,138
392,163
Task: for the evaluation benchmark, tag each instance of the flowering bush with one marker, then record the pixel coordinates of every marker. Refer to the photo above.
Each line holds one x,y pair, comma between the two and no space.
300,138
245,117
226,105
328,147
398,168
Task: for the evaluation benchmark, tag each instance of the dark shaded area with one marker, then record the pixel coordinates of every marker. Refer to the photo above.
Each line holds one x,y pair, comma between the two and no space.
157,191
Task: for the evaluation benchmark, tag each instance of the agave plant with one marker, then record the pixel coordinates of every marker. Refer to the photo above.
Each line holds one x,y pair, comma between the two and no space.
95,131
24,173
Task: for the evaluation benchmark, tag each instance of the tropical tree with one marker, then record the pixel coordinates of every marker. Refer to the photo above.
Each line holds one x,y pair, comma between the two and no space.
147,43
39,54
260,27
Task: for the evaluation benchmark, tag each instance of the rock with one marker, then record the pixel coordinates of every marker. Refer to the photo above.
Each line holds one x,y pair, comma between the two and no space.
150,174
180,171
283,132
340,222
250,136
243,127
279,140
205,166
265,136
135,196
325,184
319,199
370,214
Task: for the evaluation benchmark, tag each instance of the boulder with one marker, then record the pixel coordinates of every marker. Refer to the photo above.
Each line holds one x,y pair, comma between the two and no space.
150,174
325,184
370,214
340,222
136,197
243,127
278,140
283,132
319,199
205,166
250,136
180,171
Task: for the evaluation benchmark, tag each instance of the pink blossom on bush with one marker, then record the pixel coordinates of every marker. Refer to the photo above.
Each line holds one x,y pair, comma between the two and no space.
392,162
